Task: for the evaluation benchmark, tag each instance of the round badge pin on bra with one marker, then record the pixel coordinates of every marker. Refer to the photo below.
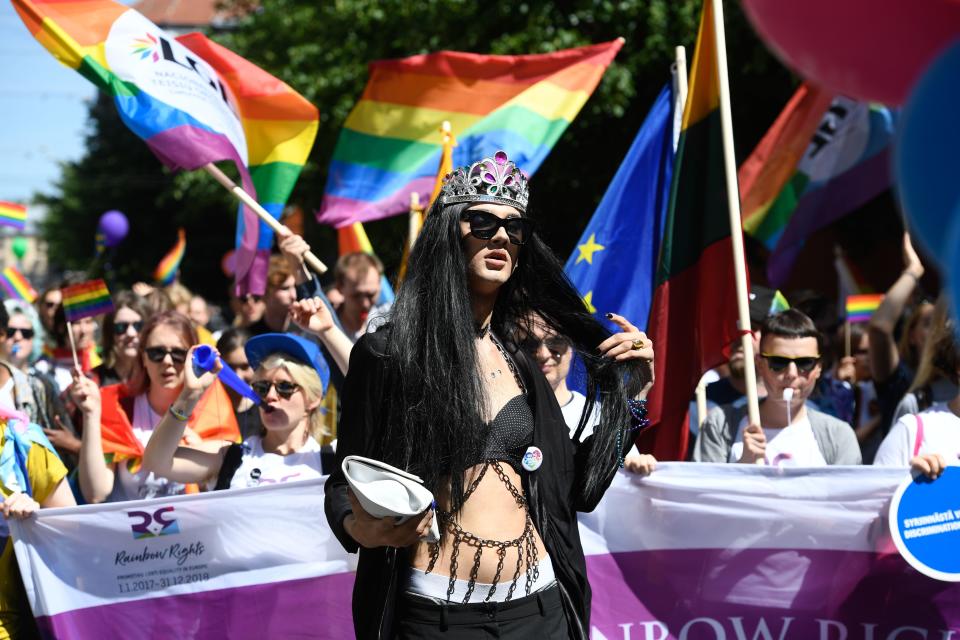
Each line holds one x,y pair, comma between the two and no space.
532,459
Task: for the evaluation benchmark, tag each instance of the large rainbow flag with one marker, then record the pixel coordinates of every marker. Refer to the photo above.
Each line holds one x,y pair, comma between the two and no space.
823,157
390,145
180,103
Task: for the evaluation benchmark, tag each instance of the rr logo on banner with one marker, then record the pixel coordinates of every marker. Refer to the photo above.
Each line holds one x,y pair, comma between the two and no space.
152,525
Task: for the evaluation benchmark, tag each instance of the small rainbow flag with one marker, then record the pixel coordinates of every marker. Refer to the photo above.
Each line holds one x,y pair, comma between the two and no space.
13,215
16,286
86,299
860,307
166,271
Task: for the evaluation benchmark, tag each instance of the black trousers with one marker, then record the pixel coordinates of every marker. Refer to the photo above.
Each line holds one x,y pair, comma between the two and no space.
539,615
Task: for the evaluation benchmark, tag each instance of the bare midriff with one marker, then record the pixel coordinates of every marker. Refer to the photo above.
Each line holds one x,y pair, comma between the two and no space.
490,513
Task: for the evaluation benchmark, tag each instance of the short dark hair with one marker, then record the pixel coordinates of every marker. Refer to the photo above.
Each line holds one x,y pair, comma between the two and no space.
791,323
4,316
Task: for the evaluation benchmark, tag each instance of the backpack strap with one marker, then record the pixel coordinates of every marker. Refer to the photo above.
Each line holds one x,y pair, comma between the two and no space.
231,462
919,439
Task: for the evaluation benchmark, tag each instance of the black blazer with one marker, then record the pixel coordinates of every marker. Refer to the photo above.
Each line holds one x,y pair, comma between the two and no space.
555,491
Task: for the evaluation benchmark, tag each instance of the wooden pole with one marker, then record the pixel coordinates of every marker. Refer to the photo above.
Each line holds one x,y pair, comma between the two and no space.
733,208
846,337
73,347
309,258
679,92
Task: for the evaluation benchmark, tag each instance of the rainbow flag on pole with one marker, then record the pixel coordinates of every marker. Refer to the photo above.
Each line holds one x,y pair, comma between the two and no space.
13,215
390,144
86,299
166,271
185,105
860,307
16,286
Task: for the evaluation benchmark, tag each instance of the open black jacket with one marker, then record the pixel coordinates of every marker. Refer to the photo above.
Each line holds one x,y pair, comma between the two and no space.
555,491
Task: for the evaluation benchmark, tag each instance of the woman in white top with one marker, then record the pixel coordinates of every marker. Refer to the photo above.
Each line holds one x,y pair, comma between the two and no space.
290,377
930,440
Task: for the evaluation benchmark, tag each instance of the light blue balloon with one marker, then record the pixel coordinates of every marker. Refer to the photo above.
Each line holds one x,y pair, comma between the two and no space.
927,158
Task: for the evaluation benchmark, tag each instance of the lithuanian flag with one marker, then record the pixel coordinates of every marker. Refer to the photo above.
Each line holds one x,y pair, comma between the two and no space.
694,311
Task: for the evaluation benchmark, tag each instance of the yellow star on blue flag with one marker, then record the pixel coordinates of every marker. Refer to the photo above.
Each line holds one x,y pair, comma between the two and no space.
588,248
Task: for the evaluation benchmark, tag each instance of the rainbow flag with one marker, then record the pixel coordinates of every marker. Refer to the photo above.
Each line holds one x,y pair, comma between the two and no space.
166,271
86,299
179,103
861,307
16,286
13,215
390,144
823,157
353,239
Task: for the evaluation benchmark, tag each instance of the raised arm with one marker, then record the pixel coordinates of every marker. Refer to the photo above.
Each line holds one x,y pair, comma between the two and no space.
884,357
96,476
313,316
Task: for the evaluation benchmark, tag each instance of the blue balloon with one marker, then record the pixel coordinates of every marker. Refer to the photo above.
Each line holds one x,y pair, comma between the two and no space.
925,158
114,227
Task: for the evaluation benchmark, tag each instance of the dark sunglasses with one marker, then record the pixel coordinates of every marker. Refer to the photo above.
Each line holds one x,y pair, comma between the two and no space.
805,364
27,334
250,296
120,328
556,345
484,225
284,389
157,354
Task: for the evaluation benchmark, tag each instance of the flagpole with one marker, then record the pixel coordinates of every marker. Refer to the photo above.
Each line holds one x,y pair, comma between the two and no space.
309,258
73,347
733,208
679,91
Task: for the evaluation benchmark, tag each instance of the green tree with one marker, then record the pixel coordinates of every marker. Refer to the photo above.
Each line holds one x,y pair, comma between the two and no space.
322,49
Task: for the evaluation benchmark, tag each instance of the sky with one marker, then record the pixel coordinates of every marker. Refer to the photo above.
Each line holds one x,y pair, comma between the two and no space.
43,108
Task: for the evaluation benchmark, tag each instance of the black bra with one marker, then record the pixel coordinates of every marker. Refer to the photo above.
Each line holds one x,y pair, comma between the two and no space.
509,434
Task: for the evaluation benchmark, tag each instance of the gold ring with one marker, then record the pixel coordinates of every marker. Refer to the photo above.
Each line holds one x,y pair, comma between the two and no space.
638,344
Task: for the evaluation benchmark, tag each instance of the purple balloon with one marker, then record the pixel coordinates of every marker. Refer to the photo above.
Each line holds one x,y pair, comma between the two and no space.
114,227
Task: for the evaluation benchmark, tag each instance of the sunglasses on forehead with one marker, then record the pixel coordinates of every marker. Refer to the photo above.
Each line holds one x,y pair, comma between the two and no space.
484,225
805,364
157,354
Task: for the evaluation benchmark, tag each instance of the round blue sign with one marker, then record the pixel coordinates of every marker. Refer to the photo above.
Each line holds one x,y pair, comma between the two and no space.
925,524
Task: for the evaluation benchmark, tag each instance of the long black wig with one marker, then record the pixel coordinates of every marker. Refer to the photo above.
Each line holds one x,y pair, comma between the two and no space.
436,398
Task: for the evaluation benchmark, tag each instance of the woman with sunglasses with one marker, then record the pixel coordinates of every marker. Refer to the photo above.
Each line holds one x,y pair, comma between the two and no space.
120,419
790,433
290,378
442,391
121,337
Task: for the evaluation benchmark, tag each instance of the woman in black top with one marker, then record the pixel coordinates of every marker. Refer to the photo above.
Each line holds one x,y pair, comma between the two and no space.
443,392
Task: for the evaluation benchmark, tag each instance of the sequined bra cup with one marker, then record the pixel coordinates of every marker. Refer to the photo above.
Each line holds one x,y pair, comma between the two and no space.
508,436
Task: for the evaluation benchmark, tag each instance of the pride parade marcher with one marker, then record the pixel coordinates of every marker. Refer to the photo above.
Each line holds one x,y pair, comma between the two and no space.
790,433
119,419
31,476
443,392
121,338
291,377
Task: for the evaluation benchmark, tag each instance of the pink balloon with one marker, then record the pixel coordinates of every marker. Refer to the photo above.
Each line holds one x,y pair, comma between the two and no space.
861,48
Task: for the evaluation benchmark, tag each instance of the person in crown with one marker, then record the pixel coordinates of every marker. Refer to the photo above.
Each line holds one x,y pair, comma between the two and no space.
444,392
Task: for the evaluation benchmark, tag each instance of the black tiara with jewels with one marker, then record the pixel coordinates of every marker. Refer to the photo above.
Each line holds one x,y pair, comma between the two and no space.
495,179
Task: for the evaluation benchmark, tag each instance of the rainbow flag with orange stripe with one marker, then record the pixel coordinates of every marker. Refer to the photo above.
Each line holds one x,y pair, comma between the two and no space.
86,299
16,286
193,102
166,271
860,307
390,144
13,215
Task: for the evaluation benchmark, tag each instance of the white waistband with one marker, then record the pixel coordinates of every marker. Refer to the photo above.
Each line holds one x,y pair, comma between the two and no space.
433,586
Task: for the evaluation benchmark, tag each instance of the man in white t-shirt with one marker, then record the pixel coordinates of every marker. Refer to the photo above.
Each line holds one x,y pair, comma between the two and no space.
792,434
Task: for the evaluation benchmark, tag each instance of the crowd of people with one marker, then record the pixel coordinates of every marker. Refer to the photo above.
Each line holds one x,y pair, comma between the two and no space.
464,381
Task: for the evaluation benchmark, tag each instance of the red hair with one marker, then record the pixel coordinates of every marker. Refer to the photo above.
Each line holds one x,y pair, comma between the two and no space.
139,381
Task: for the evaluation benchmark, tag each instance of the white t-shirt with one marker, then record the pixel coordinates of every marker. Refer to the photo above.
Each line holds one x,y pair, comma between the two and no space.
790,446
6,395
142,485
941,434
572,411
259,468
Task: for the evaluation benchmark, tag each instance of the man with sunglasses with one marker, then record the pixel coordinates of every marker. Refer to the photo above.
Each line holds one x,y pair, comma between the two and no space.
789,433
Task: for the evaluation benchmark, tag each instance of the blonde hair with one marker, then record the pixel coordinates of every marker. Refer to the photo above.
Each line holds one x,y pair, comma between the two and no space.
309,382
939,357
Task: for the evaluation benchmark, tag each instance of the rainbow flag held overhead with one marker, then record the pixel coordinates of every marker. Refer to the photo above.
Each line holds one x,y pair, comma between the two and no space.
187,110
15,286
166,271
390,144
353,239
13,215
860,308
824,157
86,299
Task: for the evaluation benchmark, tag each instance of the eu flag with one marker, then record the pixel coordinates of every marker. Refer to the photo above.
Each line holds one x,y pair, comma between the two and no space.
615,261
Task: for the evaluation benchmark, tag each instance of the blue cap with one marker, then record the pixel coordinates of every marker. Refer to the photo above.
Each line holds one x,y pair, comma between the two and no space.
260,347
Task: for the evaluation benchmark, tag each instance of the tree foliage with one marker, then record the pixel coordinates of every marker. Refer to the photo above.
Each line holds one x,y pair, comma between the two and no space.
322,50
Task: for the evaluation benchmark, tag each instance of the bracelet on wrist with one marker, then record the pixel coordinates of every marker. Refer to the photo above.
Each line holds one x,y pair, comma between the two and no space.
179,415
